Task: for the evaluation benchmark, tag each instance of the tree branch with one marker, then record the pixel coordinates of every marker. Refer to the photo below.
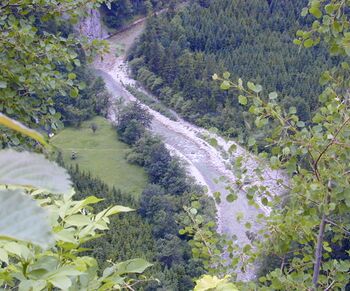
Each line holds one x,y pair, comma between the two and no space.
200,233
333,141
330,286
339,226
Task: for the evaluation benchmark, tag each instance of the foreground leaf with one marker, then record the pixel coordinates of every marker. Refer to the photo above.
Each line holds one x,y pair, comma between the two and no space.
118,209
33,170
131,266
19,127
208,282
22,219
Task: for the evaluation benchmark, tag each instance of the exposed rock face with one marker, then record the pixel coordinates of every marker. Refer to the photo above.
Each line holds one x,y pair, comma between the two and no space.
91,25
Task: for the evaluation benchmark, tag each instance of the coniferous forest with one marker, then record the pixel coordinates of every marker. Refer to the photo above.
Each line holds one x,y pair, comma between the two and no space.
253,40
152,233
118,13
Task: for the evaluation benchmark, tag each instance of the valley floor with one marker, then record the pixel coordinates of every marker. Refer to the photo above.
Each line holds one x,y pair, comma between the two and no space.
206,163
102,154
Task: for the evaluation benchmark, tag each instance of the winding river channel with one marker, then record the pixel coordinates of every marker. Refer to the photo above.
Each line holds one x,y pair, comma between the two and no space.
205,163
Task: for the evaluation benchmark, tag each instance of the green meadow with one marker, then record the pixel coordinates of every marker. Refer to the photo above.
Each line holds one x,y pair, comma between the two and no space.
102,154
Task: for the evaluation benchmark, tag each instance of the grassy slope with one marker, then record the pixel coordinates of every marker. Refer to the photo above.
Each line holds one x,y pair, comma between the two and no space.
102,154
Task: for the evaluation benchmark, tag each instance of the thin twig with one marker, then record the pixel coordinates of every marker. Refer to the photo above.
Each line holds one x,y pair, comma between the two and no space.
333,141
339,226
330,286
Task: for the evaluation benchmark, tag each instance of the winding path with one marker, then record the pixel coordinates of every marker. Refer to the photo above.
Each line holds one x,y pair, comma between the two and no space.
203,161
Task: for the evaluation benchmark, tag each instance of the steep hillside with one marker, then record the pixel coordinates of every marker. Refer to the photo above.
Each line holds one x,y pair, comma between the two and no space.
253,39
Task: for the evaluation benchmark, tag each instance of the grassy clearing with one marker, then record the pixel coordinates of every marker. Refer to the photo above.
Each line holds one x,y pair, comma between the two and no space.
102,154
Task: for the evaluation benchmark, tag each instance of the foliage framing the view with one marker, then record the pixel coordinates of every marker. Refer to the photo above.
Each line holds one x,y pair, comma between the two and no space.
42,228
308,228
56,223
37,62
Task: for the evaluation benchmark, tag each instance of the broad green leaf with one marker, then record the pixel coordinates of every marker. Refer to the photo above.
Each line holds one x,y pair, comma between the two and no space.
329,8
300,124
346,43
82,85
225,85
131,266
226,75
304,11
62,282
18,248
81,204
273,95
4,256
292,110
31,285
251,141
260,122
258,88
194,211
343,266
22,219
19,127
44,263
247,248
72,76
32,170
308,43
251,86
3,84
78,220
65,271
118,209
90,200
297,41
315,11
74,92
207,282
242,100
66,235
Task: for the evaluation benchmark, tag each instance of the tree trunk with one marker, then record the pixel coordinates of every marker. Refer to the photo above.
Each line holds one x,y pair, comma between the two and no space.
318,252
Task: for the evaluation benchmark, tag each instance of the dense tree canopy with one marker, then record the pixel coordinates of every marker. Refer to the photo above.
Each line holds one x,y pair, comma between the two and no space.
119,12
306,235
42,61
133,120
160,214
178,54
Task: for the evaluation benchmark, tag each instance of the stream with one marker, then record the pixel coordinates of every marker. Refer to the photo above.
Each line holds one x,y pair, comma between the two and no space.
205,163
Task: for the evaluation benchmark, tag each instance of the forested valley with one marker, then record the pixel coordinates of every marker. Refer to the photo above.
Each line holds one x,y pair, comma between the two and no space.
259,88
179,53
119,13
